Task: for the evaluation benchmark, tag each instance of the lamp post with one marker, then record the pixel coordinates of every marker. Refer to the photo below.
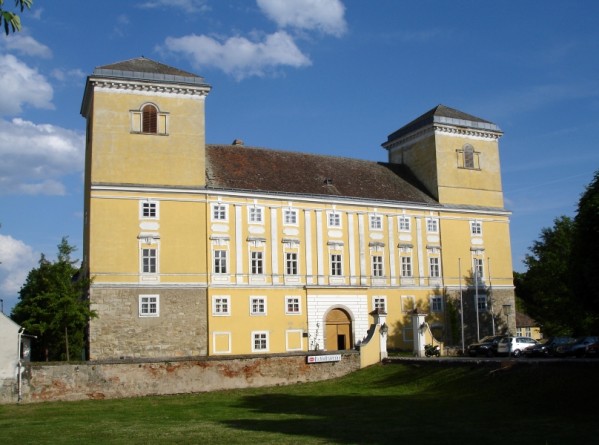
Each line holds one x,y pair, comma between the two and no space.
507,310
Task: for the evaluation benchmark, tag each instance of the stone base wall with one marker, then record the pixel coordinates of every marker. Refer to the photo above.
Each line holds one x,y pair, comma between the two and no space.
180,329
109,380
489,322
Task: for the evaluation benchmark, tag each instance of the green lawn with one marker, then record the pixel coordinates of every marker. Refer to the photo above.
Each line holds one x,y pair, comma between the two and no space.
399,404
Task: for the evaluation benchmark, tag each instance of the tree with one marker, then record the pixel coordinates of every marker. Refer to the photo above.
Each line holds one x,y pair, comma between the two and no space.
546,288
11,20
585,254
53,307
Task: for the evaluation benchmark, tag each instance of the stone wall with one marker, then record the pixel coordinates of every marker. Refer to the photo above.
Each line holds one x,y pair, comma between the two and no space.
136,378
119,332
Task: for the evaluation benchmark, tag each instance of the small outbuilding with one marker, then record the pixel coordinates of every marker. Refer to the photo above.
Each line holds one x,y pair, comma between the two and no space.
15,348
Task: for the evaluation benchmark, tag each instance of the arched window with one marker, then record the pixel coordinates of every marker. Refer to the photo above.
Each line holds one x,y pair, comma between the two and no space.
149,119
468,156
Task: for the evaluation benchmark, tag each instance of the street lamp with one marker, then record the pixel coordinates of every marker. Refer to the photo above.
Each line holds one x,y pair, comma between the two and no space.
507,310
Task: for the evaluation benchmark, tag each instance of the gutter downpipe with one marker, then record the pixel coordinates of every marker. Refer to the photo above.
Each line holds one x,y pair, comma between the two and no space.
19,364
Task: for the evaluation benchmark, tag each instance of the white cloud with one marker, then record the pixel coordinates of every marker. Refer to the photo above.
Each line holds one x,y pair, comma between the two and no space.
323,15
22,85
188,6
35,157
22,43
239,56
17,259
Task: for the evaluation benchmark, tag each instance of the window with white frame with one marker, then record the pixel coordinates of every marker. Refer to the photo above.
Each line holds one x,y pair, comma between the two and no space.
404,223
434,266
376,222
408,303
290,217
479,268
219,212
259,341
290,263
220,261
148,209
476,228
406,266
377,266
336,264
379,303
432,225
221,305
149,305
258,305
334,219
149,260
482,303
257,262
436,303
292,305
255,215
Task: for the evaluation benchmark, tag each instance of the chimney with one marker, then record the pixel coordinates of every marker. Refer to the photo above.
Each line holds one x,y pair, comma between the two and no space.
237,142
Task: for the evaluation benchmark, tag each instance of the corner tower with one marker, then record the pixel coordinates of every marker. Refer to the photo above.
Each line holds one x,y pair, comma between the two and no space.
145,125
454,154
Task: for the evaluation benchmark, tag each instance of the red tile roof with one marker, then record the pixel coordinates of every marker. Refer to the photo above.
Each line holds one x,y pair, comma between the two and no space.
237,167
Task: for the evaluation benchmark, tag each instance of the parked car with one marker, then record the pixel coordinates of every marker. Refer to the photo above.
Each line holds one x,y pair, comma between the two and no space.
592,350
547,346
576,349
486,346
514,345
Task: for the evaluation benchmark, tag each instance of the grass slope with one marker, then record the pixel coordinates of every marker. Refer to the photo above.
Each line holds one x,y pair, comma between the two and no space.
382,404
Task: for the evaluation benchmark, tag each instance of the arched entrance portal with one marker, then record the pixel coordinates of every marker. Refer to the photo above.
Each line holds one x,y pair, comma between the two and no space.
338,330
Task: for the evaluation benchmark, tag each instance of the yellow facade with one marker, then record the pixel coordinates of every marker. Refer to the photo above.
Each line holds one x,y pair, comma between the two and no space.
182,268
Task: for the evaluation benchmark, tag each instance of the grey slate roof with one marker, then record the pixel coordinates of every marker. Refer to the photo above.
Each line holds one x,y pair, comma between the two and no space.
235,167
444,115
142,68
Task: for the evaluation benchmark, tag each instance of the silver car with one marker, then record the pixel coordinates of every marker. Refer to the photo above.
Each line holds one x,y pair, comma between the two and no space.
514,345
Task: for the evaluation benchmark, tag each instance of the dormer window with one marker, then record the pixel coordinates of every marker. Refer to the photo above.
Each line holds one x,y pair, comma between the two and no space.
149,119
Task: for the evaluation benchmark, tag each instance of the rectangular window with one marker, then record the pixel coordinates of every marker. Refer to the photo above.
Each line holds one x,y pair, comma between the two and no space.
257,263
334,219
220,261
290,217
482,303
258,305
149,210
149,306
377,266
380,303
408,303
404,223
434,267
291,263
255,215
336,264
432,225
292,305
376,222
148,260
476,228
219,212
479,268
406,266
436,304
259,341
220,305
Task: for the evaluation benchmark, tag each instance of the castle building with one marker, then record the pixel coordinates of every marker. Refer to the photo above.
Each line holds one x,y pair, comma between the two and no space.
197,249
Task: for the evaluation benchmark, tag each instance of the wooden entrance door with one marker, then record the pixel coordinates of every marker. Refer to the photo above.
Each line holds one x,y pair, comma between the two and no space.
338,330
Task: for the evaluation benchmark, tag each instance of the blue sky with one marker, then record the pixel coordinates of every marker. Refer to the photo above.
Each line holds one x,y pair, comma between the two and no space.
322,76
